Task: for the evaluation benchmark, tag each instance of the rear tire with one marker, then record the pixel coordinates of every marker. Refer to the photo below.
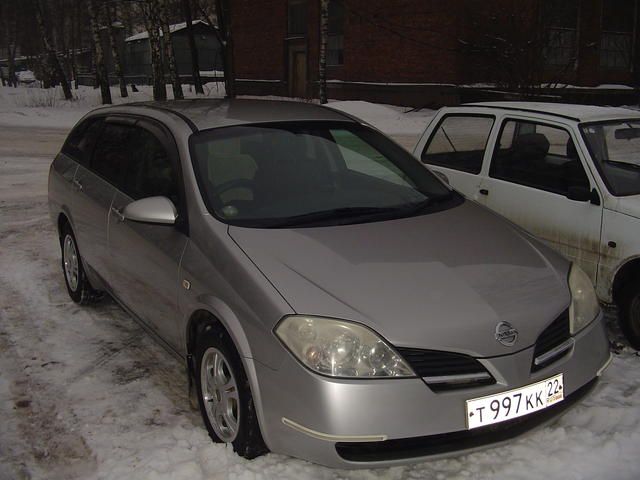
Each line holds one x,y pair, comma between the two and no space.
75,277
224,396
629,306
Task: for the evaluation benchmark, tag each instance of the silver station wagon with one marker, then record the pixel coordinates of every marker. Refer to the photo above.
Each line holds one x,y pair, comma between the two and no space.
332,299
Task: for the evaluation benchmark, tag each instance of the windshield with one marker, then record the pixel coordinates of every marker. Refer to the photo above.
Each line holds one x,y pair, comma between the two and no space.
311,173
615,149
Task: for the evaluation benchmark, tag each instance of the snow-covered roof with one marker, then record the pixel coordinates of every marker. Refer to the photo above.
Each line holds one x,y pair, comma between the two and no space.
581,113
176,27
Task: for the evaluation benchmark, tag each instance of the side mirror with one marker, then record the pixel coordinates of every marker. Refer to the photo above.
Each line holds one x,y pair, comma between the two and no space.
441,176
156,210
583,194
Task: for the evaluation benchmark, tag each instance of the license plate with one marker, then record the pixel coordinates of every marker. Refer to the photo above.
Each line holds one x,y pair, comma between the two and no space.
514,403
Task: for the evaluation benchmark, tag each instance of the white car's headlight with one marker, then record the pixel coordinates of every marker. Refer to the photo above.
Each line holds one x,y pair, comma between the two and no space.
340,349
584,303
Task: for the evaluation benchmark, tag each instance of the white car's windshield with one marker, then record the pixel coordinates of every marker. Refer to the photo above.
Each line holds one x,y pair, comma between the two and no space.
615,148
311,173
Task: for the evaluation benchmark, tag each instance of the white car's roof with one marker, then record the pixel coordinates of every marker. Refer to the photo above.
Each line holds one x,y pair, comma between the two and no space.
579,113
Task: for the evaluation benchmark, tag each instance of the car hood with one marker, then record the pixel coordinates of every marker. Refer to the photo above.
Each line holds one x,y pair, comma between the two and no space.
629,205
439,281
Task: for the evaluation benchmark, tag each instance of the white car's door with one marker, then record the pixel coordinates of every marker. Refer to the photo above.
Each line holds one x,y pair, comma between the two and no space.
538,179
455,146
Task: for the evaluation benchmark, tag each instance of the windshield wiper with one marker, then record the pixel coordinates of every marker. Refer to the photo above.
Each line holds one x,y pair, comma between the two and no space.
428,202
398,211
332,214
633,166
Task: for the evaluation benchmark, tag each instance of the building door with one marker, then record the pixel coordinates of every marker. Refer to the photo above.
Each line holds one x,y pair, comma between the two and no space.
298,72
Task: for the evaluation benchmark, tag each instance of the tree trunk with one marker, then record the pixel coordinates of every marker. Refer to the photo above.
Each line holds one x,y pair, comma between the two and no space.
157,68
102,76
226,40
11,70
169,54
195,63
52,58
115,53
324,36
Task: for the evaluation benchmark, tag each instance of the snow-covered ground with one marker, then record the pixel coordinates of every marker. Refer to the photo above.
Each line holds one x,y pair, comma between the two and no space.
85,393
36,107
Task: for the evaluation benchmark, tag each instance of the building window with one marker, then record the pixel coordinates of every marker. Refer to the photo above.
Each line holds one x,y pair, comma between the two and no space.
335,42
297,17
617,33
560,21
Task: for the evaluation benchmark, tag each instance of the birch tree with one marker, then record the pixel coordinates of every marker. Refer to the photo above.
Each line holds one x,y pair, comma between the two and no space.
117,64
226,40
52,58
102,76
157,68
195,63
324,37
169,53
9,25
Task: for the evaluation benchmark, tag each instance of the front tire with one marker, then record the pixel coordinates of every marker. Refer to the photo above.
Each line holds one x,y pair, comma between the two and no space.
75,277
224,396
630,312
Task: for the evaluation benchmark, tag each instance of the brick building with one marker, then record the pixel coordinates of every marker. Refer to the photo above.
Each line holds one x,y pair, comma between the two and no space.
430,52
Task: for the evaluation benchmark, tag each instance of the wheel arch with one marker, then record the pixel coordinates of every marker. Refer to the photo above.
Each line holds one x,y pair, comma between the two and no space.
212,311
625,273
63,218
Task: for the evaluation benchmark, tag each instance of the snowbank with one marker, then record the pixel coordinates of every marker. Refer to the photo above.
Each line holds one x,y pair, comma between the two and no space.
388,118
37,107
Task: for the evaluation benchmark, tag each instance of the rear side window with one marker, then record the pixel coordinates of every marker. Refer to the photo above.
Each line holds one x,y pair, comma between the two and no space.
539,156
459,143
82,139
111,154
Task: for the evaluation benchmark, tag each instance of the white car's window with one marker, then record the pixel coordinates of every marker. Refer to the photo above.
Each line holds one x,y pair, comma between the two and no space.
615,150
539,156
459,142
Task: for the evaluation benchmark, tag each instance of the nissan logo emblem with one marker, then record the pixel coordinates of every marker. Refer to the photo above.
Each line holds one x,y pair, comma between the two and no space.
506,334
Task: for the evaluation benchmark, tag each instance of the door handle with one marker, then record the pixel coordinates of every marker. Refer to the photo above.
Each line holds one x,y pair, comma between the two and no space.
118,214
77,184
484,191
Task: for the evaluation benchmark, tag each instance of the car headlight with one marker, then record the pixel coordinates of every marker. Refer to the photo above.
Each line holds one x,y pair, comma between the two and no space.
584,303
339,348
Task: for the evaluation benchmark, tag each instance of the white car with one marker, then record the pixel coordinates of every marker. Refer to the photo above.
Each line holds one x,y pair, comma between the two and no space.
569,174
26,77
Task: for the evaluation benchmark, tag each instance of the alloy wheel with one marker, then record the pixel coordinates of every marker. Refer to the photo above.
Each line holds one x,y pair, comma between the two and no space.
220,394
71,262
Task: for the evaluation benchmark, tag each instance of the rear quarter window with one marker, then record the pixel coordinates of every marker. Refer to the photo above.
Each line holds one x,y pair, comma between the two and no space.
81,140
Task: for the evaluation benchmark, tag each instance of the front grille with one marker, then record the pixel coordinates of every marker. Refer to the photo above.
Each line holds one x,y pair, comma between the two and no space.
446,370
399,449
553,336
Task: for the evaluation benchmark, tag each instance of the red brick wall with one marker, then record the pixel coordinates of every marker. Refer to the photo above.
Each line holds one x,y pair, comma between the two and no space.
396,41
259,30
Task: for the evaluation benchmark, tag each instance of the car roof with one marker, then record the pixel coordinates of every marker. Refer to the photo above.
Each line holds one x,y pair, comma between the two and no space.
206,113
578,113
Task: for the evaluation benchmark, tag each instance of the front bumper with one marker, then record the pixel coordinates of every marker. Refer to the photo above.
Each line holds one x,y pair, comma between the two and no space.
376,423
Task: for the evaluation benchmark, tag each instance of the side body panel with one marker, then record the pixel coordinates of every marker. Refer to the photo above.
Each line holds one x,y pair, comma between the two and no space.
143,271
624,230
61,193
90,217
